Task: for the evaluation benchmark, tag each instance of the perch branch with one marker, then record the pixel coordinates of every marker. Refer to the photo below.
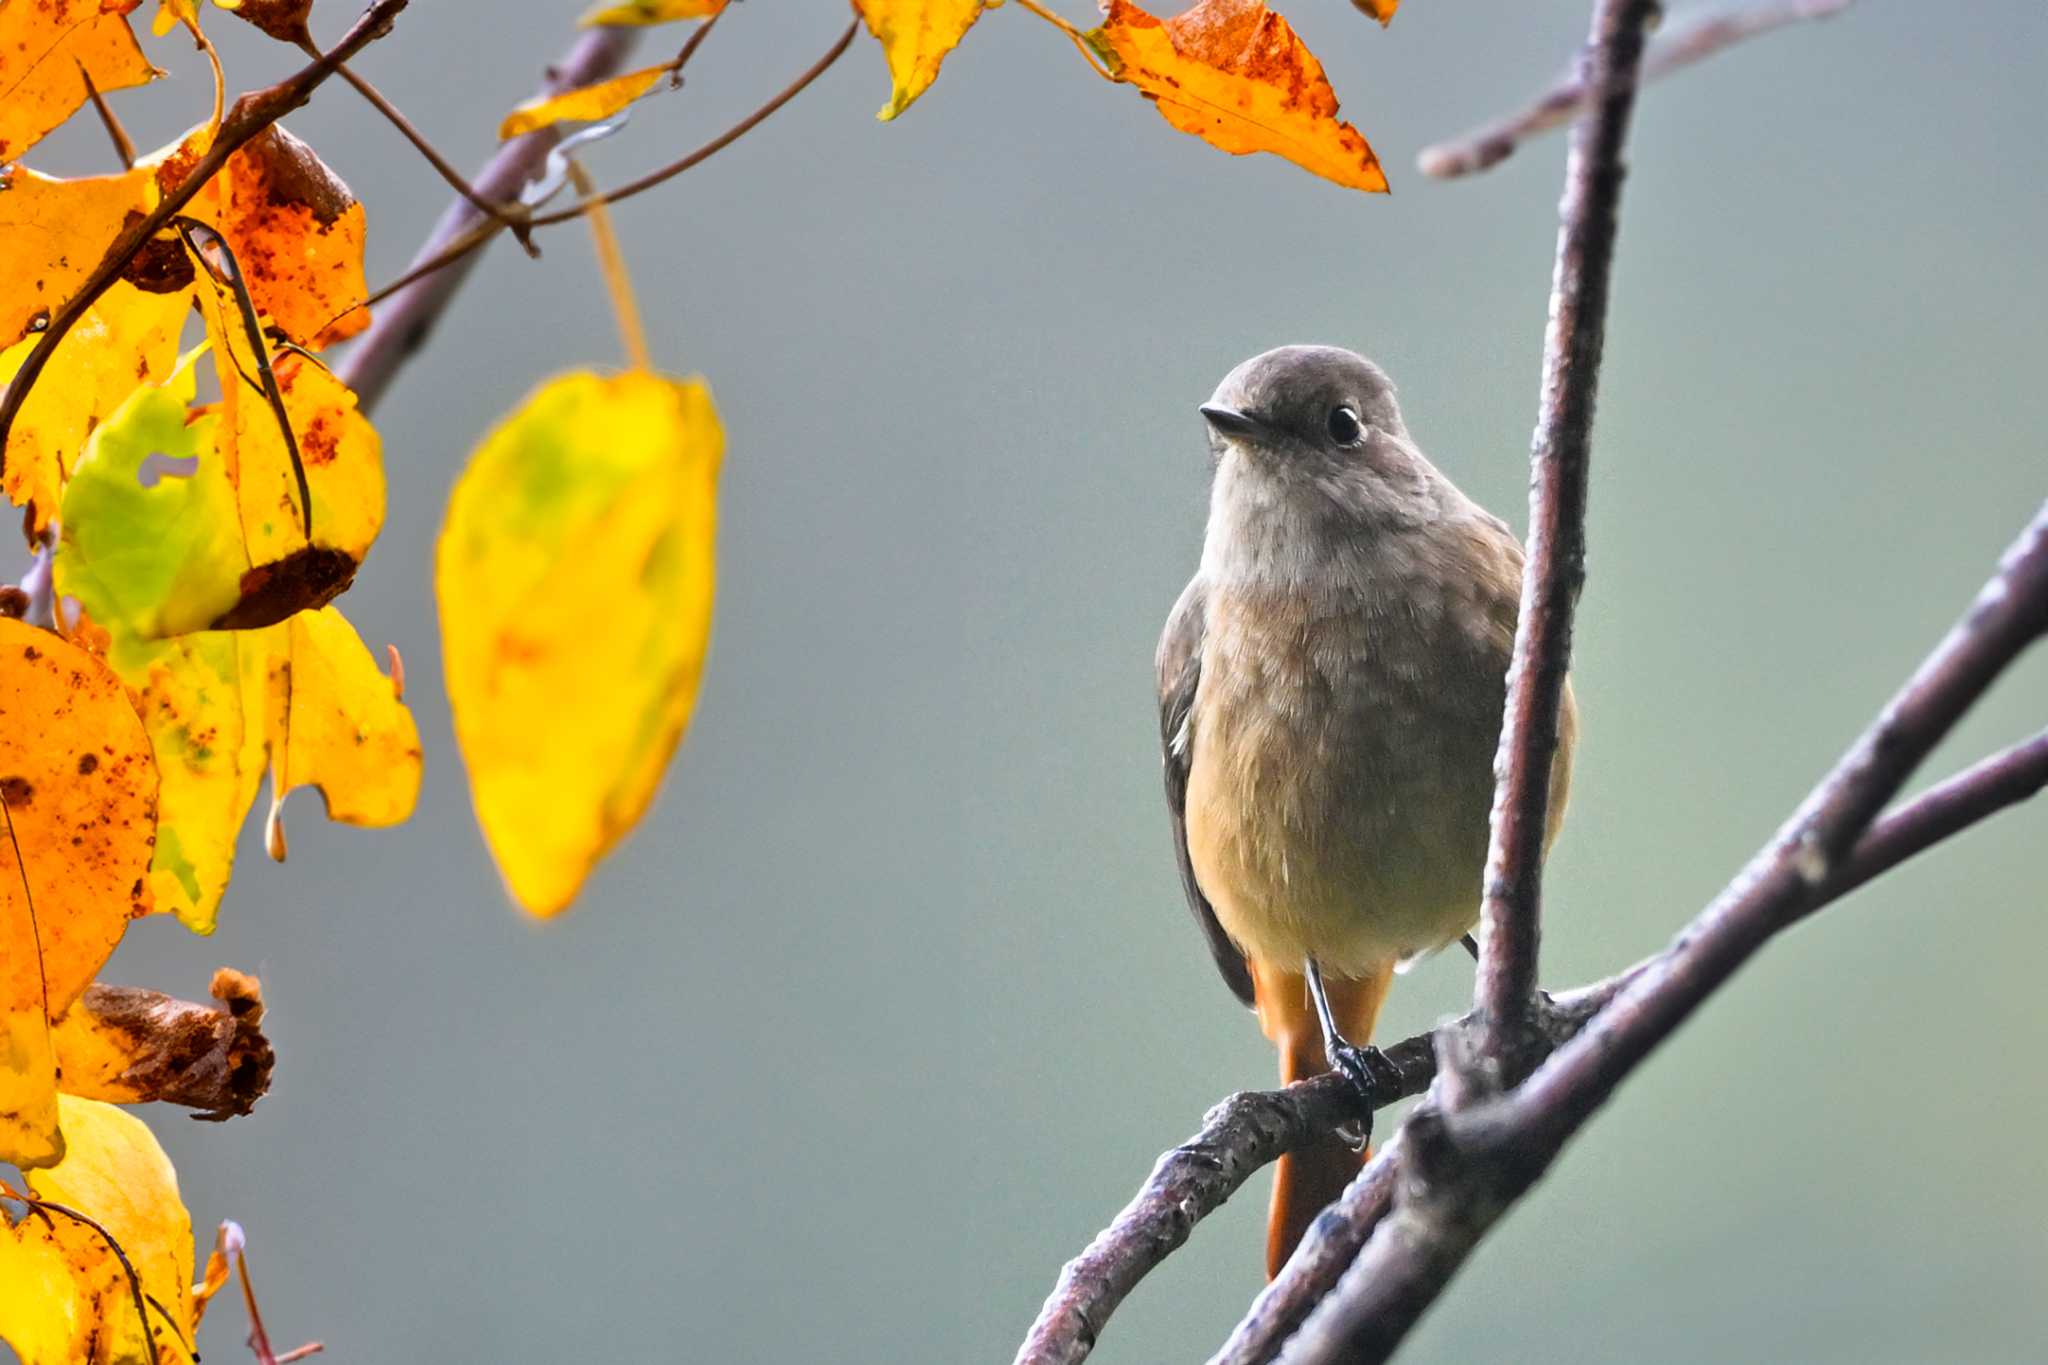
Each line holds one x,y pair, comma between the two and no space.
1510,906
250,115
1699,38
1238,1136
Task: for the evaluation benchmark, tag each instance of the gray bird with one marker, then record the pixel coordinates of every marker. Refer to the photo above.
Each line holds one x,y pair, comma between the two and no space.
1330,693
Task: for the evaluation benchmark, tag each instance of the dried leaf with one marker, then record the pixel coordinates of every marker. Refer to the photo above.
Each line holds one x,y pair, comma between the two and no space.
593,502
916,35
635,13
129,337
1233,73
284,20
586,102
80,791
53,232
43,44
126,1045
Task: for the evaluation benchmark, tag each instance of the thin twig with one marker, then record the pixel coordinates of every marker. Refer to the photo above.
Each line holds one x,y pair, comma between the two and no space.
716,145
124,146
250,115
509,215
1510,908
1695,40
399,329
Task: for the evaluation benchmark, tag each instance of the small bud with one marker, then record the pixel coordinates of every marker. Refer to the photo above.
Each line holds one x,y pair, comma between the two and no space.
273,831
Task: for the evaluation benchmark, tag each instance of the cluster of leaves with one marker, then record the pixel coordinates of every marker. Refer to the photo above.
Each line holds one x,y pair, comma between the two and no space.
197,503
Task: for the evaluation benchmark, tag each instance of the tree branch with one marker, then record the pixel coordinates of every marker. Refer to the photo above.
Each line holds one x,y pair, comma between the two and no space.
401,326
1511,908
1698,39
249,115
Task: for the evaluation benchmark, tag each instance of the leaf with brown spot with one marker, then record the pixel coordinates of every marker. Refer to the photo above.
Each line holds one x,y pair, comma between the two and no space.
128,337
297,230
43,46
53,232
74,862
1233,73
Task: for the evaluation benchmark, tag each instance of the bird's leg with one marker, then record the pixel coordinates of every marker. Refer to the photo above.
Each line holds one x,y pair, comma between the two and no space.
1367,1068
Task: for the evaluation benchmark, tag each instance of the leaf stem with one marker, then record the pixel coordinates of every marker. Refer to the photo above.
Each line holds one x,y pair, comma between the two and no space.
613,261
1074,36
124,146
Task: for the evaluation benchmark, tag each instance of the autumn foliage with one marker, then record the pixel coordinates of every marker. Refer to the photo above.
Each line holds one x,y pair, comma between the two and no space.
198,488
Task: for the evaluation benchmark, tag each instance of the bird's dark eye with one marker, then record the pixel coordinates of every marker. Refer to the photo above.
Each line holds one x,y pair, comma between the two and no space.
1344,426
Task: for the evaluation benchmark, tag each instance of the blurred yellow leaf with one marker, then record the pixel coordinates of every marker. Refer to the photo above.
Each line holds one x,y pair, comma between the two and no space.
129,337
915,36
53,233
1382,10
1233,73
43,43
574,576
639,12
599,100
80,789
64,1297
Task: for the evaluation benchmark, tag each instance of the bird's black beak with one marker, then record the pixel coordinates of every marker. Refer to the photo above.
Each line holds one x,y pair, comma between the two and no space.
1231,422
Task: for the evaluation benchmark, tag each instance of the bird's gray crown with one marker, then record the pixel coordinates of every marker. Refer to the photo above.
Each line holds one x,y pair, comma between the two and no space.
1297,391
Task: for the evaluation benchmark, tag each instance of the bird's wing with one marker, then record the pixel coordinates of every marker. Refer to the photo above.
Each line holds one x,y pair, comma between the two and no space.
1180,667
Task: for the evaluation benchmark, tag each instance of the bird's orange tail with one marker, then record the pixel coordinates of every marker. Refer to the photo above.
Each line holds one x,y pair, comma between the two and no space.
1306,1181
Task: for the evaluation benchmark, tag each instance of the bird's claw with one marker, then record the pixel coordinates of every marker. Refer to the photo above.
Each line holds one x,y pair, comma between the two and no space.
1373,1074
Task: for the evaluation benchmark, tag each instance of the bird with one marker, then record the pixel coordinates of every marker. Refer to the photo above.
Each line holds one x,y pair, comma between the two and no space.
1331,684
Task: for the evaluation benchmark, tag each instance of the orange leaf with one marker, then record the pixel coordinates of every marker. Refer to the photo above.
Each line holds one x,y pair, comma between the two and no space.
915,36
80,791
1382,10
42,47
600,99
1232,73
297,231
52,233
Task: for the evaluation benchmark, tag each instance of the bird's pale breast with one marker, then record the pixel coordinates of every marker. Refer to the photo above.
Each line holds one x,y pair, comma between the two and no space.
1342,767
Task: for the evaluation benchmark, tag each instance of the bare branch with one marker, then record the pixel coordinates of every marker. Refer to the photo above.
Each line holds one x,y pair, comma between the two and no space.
1510,909
401,327
1696,40
249,115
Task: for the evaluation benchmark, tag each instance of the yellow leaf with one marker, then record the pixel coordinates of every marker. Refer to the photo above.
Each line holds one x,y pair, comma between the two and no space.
227,1244
114,1172
1232,73
599,100
80,791
171,13
640,12
129,337
53,232
574,576
333,720
916,35
43,43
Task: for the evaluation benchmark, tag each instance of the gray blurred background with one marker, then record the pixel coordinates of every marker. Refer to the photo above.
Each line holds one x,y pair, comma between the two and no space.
893,1001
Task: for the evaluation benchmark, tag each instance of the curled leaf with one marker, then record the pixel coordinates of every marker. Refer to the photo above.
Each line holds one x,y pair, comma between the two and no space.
636,13
915,36
598,100
284,20
1233,73
80,788
44,45
126,1045
595,500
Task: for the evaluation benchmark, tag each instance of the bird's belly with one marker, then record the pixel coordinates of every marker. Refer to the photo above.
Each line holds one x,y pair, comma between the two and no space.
1347,833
